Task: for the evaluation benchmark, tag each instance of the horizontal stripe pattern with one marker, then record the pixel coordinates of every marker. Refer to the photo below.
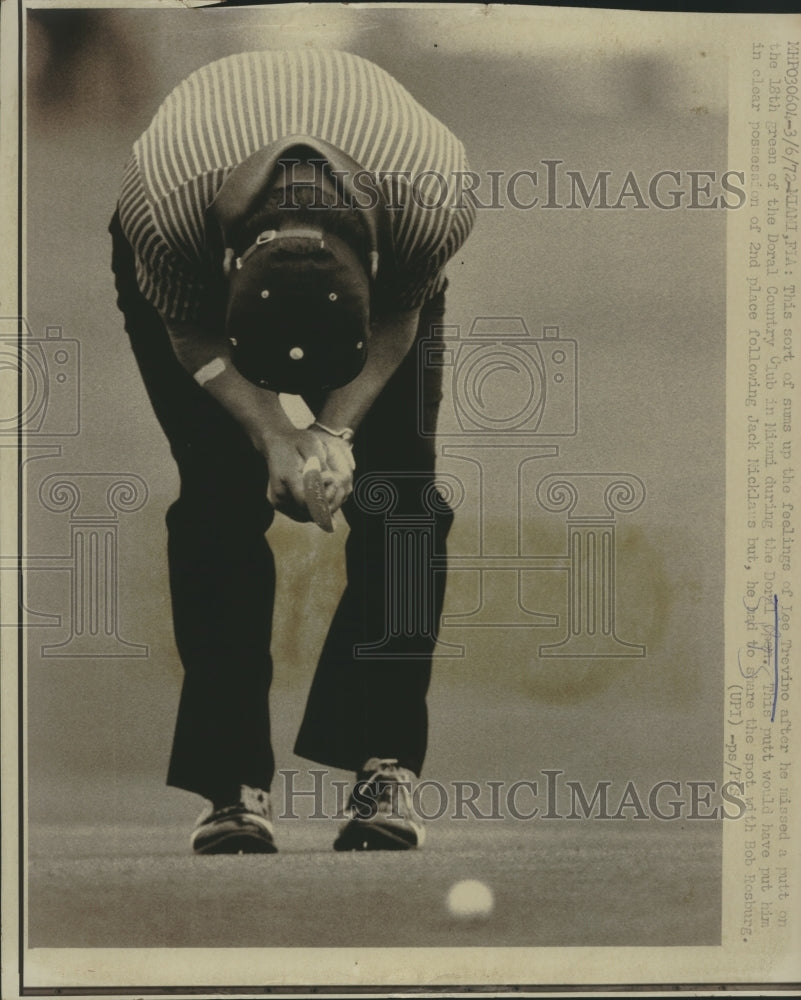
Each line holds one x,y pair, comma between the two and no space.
225,111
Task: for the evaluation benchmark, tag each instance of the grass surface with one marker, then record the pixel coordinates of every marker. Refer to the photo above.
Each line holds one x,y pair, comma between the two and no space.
562,884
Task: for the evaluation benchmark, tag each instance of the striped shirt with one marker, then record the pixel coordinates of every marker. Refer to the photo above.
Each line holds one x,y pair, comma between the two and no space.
225,111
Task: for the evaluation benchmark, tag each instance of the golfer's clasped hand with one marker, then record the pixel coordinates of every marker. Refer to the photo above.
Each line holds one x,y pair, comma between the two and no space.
337,469
287,452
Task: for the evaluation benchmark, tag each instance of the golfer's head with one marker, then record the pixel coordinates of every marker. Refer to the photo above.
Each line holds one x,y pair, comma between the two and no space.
298,315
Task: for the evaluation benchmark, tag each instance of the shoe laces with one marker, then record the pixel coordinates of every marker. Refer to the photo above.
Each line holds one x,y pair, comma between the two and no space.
382,784
250,800
384,769
255,800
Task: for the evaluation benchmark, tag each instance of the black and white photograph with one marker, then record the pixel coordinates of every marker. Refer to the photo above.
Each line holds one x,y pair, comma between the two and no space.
398,558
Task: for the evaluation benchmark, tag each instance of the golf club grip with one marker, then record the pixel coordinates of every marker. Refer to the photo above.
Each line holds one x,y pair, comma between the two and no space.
314,495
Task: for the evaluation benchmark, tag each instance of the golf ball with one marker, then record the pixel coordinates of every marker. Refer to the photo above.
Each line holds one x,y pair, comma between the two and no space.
470,899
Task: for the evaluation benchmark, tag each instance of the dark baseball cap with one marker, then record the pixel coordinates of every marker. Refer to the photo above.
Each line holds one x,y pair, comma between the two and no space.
298,315
299,295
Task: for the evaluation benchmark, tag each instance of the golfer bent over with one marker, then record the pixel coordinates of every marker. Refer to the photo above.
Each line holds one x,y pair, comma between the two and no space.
282,228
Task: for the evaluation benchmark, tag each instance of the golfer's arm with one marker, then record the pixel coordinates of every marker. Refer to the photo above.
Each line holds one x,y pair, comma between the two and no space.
391,340
257,410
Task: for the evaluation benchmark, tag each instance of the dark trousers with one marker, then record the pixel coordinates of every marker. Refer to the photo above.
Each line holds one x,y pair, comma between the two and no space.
222,575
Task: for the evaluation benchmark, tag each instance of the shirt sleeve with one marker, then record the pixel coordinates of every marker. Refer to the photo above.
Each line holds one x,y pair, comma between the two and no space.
429,277
429,235
169,282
